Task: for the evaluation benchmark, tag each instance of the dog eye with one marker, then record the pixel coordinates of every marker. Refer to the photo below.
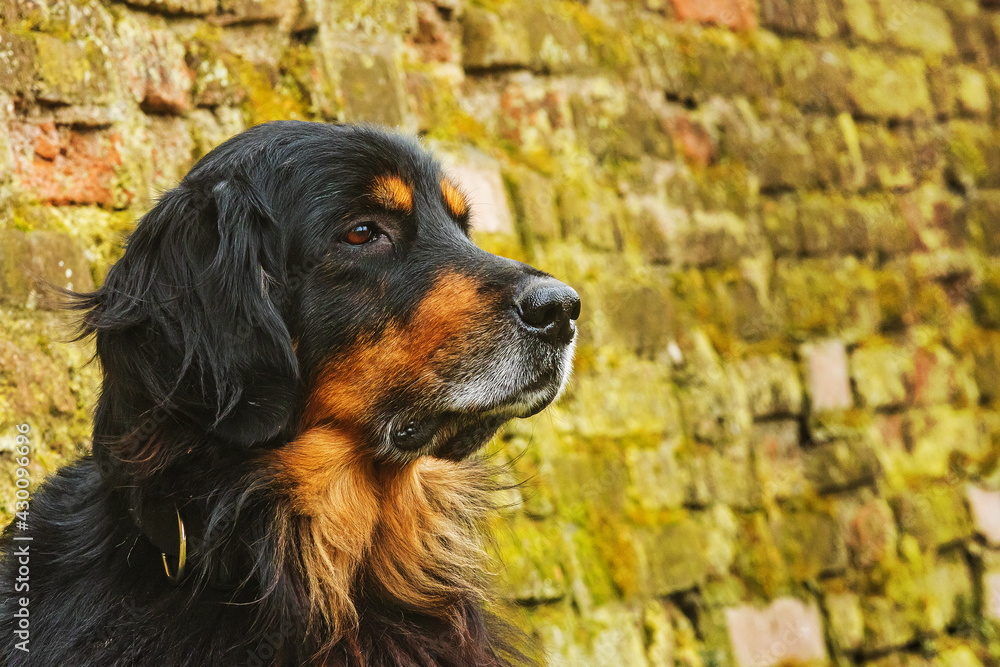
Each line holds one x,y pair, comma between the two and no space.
361,235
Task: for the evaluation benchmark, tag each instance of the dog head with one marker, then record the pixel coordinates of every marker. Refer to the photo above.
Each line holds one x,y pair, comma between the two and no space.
310,276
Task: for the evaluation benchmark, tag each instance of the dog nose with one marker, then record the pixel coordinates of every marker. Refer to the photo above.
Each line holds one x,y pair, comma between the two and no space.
548,308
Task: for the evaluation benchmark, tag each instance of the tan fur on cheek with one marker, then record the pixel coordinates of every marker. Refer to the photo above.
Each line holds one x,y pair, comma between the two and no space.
355,381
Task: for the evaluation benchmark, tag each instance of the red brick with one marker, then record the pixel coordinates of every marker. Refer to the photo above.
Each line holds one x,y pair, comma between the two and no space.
433,39
168,79
154,68
47,141
870,530
827,379
789,630
530,110
170,151
890,428
736,14
692,140
62,165
938,378
923,363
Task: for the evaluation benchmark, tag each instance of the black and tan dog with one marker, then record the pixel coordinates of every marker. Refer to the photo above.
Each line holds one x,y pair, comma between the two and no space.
302,351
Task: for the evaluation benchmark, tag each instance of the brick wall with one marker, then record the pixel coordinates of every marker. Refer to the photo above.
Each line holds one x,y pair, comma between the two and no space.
782,439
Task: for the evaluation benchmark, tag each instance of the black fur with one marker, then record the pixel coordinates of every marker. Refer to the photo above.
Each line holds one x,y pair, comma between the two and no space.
232,292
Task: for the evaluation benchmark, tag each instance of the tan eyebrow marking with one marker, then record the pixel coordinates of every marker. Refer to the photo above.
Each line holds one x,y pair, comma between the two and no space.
393,193
454,199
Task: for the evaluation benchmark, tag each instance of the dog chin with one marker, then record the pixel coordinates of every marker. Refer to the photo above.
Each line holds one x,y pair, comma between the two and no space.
474,431
516,395
533,396
463,427
531,402
458,435
469,438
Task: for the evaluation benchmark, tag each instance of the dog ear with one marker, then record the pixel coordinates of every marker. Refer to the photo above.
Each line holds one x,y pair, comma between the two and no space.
188,322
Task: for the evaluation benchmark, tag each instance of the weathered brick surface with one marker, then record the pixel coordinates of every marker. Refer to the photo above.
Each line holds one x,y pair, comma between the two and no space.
179,7
810,544
63,165
675,556
783,217
17,62
985,507
490,41
870,527
44,387
819,19
370,82
159,75
436,40
846,624
842,464
738,14
935,516
826,372
773,386
786,631
879,375
31,263
887,88
481,181
73,71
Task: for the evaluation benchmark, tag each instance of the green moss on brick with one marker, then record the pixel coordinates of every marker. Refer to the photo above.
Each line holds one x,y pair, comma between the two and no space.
270,95
610,44
759,563
617,546
986,302
825,297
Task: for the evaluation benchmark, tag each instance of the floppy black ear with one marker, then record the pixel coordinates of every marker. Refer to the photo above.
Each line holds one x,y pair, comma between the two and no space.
187,323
